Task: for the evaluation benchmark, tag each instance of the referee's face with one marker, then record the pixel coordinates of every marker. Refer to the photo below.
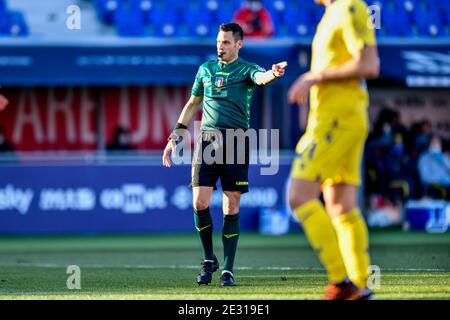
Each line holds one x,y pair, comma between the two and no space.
227,46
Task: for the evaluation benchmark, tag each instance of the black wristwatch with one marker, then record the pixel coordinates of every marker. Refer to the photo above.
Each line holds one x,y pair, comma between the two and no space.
174,135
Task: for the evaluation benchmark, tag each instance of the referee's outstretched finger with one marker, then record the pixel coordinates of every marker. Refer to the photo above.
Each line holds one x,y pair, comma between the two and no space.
282,64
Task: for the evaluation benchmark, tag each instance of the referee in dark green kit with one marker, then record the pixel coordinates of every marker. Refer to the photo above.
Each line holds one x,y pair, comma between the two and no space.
225,86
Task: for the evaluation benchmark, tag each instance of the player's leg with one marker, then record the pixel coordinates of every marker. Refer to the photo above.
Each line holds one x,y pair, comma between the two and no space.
230,234
306,177
234,179
203,220
303,199
351,230
341,198
204,227
204,178
234,183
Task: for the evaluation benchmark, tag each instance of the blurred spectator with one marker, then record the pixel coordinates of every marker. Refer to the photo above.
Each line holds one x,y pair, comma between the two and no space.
121,140
434,170
381,143
387,125
254,19
420,136
399,171
3,102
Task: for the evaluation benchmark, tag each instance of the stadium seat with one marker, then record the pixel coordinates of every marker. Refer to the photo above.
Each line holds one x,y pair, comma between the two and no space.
224,13
164,22
396,22
407,5
429,23
144,7
198,21
106,10
277,10
436,4
446,16
298,20
12,23
2,6
129,22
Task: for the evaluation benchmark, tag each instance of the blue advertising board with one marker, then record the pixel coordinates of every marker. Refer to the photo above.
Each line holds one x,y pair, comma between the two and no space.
118,198
162,63
153,62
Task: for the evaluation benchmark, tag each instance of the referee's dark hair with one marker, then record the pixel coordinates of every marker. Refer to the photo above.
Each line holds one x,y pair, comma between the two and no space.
238,34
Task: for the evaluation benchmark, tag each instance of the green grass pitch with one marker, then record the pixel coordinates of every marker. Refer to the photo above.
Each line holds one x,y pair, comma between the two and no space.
164,266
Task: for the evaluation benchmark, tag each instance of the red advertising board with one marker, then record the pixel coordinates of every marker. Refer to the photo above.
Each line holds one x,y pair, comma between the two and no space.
82,118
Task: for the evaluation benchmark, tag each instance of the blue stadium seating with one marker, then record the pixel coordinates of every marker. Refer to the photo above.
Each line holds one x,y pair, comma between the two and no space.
165,22
12,23
129,22
429,23
200,18
396,22
197,23
299,20
292,18
106,9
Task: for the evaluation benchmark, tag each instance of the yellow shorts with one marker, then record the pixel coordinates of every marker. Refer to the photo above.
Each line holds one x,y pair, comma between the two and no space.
330,155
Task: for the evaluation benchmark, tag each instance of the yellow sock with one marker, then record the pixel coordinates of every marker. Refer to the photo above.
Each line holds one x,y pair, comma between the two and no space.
320,232
353,240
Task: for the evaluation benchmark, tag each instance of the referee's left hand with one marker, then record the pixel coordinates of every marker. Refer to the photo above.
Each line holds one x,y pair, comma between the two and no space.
168,150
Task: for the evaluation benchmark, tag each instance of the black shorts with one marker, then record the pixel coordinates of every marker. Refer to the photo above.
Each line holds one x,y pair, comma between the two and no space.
216,162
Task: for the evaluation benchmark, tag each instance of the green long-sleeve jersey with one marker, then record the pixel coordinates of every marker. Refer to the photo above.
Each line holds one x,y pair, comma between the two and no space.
227,91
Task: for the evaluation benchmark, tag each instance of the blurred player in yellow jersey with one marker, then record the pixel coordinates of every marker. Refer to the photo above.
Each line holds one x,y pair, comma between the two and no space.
328,156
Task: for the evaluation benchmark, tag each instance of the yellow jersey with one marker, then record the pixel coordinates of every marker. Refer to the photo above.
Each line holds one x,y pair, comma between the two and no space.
344,30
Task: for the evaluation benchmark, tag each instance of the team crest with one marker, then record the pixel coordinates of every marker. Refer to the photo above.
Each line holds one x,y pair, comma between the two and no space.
219,82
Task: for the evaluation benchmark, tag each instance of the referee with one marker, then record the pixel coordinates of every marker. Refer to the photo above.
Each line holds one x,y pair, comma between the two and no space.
225,86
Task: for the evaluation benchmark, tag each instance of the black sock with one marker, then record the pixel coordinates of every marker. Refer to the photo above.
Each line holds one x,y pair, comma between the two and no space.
204,226
230,236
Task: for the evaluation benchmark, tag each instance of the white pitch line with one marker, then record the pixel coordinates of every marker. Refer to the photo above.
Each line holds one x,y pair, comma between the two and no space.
267,268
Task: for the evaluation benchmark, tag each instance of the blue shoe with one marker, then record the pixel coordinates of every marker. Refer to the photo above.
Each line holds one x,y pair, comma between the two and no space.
206,271
365,294
226,279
